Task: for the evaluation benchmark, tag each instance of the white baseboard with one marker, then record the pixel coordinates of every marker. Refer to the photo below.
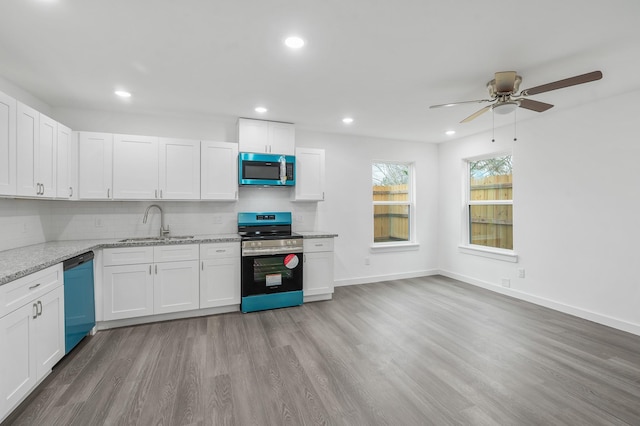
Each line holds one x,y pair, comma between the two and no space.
547,303
378,278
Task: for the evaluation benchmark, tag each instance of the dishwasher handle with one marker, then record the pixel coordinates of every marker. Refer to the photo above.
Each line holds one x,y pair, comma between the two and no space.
77,261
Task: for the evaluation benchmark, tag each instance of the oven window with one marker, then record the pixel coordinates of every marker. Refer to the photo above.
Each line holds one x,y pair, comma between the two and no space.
271,271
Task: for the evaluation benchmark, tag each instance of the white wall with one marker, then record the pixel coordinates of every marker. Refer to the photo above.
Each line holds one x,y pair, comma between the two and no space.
23,222
575,211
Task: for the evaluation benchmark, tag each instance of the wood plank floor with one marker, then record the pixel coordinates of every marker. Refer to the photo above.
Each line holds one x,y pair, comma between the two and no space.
408,352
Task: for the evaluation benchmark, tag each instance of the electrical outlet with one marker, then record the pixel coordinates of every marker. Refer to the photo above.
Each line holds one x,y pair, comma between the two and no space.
298,218
506,282
521,273
367,261
98,222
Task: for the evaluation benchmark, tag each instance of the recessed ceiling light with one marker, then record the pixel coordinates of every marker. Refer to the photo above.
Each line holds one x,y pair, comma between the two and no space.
261,110
294,42
122,94
347,120
450,132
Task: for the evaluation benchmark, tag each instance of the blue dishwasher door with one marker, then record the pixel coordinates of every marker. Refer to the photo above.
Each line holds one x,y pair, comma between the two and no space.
79,304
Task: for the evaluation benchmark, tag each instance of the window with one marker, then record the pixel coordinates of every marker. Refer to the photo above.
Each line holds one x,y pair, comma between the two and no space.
490,202
392,202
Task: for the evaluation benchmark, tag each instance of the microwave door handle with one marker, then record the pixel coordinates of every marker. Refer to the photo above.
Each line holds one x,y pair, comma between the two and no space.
283,170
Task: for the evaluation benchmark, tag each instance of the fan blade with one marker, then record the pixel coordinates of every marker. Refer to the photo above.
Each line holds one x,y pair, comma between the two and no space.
534,105
572,81
476,114
479,101
505,81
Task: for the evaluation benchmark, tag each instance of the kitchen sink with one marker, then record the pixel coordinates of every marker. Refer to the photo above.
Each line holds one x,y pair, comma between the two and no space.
159,239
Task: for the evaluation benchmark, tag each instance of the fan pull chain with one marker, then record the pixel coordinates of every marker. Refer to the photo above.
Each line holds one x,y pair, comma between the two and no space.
514,125
493,126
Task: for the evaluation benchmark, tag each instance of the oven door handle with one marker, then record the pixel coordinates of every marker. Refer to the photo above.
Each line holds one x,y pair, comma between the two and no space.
270,252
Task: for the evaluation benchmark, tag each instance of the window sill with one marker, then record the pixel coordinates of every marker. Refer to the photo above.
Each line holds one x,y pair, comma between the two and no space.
491,253
389,247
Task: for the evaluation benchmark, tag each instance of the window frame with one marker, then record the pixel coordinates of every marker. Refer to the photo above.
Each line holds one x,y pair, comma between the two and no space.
411,243
466,246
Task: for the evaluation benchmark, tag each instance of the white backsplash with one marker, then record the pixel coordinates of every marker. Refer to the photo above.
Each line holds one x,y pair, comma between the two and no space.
26,222
23,222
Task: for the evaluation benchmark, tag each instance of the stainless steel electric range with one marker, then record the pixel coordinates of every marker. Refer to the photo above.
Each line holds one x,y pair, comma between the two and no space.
272,261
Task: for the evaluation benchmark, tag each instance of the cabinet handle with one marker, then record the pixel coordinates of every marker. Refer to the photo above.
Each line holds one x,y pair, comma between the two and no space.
161,193
319,245
266,148
221,251
156,193
35,311
70,192
304,258
322,195
40,305
108,192
42,193
156,269
202,267
149,269
34,286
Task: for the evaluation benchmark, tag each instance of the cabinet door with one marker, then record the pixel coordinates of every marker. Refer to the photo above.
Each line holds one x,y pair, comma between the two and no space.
253,135
46,156
64,164
219,171
28,135
179,169
220,282
135,167
95,160
176,286
282,138
7,145
309,174
49,331
127,291
318,273
17,359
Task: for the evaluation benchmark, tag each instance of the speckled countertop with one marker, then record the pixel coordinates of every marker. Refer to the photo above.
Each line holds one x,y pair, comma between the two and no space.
18,262
316,234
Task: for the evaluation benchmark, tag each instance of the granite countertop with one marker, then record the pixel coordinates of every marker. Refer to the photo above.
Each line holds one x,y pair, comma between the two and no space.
316,234
18,262
22,261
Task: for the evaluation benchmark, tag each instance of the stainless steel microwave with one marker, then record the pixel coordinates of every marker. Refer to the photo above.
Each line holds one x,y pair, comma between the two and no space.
266,169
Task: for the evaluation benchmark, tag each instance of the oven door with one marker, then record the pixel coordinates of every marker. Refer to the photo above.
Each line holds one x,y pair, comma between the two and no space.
272,273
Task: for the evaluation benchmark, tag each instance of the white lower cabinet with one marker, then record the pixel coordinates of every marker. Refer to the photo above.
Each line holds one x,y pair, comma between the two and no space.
140,281
219,274
318,268
31,333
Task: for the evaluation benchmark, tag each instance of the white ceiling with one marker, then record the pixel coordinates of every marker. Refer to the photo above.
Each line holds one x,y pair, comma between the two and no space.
382,62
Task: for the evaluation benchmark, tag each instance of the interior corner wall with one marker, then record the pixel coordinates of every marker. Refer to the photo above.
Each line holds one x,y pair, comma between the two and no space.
575,211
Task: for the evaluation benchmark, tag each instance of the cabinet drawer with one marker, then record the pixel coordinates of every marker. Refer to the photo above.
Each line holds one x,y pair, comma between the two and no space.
219,250
127,255
317,244
172,253
16,293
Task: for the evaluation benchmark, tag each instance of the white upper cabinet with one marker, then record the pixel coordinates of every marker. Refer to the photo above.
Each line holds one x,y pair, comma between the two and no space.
219,171
28,137
179,169
135,167
8,107
36,136
266,136
95,162
66,164
310,175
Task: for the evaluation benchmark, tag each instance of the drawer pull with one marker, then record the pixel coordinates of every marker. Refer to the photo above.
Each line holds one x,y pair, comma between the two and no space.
34,286
35,311
319,245
221,250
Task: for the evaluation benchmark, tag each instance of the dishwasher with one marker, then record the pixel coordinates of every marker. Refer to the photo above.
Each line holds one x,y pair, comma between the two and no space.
79,303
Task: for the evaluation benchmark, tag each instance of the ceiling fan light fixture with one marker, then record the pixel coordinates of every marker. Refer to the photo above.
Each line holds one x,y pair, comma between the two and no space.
505,108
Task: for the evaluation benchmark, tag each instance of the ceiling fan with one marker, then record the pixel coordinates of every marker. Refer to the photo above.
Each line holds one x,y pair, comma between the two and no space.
504,96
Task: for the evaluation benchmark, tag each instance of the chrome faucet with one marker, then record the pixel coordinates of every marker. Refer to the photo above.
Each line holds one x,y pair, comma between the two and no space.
163,230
